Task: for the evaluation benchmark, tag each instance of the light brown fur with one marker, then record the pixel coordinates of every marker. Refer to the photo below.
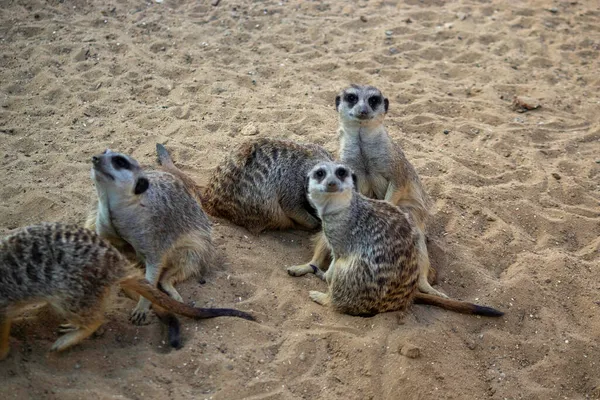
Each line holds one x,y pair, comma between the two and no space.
383,172
376,250
260,185
157,216
73,270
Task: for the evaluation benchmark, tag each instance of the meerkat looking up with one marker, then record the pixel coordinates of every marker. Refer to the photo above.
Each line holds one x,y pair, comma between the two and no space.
153,212
375,248
260,185
73,270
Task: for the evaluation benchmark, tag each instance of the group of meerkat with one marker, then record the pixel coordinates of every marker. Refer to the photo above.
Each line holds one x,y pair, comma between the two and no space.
369,205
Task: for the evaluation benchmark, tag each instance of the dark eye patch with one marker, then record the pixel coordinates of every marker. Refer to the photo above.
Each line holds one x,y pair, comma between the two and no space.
374,101
319,175
341,173
350,98
120,162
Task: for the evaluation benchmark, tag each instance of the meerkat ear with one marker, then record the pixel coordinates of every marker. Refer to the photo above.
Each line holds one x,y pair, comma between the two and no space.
338,100
386,104
355,180
141,185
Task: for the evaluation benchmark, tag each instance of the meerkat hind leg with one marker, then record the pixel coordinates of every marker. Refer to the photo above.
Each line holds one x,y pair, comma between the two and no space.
424,271
319,297
303,219
5,323
72,338
319,260
167,286
83,322
139,315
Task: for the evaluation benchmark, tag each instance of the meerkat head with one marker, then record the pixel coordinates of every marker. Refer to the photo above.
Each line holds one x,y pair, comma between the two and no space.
330,187
361,104
119,173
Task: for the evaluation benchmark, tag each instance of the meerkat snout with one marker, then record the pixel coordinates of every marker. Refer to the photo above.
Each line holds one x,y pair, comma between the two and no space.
330,178
118,170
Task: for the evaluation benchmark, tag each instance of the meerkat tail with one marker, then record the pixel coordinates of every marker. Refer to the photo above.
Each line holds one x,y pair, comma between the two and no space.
173,325
167,164
462,307
143,288
164,158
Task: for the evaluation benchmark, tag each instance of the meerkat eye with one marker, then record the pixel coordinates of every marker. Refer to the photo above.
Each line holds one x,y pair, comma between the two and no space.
351,98
374,101
341,173
120,162
319,174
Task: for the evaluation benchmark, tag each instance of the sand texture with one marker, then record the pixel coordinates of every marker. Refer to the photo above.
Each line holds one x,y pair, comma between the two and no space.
516,221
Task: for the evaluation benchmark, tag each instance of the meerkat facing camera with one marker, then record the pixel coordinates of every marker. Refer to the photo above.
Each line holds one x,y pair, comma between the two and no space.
260,185
382,170
72,269
375,247
154,213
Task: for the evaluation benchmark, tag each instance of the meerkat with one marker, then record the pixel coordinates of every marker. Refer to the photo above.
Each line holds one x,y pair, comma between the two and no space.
155,214
376,250
381,168
73,269
260,185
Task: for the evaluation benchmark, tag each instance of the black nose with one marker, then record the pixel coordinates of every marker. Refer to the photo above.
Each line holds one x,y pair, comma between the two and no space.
95,159
332,186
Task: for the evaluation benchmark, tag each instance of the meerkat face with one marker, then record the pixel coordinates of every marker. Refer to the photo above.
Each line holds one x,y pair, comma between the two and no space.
363,104
330,187
118,172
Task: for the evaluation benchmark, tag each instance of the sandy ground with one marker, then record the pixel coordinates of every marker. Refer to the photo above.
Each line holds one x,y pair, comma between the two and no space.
516,222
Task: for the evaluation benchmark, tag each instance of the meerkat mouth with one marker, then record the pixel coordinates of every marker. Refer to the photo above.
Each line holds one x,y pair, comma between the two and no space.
363,117
98,168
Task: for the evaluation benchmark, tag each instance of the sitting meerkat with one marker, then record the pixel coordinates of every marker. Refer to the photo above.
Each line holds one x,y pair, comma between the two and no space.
155,214
72,269
381,168
260,185
376,250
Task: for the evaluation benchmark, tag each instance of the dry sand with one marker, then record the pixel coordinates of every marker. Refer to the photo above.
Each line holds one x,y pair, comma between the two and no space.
517,216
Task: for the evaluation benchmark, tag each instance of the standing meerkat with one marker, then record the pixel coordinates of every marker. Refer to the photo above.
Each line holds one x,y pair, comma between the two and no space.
381,168
72,269
260,185
155,214
375,247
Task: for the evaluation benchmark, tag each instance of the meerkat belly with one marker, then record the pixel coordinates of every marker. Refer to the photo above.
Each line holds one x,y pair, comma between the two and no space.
371,182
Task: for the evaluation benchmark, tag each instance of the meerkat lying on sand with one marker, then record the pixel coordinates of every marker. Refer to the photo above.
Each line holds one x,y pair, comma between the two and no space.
153,212
72,269
260,185
376,250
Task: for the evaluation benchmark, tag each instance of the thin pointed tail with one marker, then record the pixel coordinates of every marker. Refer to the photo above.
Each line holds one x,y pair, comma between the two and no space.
462,307
166,162
164,158
143,288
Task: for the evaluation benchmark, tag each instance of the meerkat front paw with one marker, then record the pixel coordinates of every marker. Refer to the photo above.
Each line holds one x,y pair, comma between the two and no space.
300,270
139,317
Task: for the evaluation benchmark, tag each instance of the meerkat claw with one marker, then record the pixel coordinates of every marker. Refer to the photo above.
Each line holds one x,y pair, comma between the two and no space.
138,317
66,328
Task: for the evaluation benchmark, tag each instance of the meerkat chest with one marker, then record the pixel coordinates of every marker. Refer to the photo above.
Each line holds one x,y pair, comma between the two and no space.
371,166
